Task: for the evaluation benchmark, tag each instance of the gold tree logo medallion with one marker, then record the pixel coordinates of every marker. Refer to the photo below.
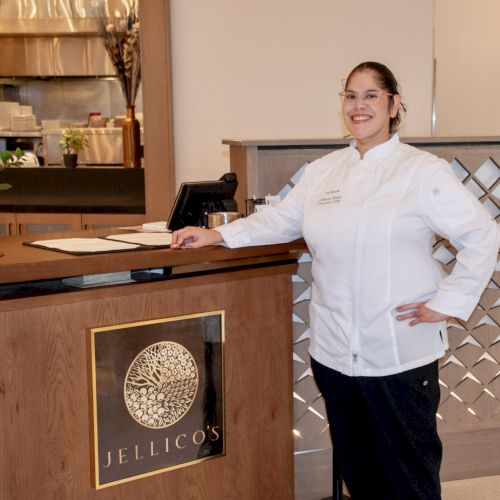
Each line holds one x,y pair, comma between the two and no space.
161,385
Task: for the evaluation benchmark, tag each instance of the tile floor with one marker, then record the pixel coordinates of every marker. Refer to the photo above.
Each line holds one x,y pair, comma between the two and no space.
479,488
313,471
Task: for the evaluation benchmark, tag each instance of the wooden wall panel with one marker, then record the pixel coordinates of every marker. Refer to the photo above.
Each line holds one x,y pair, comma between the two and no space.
158,108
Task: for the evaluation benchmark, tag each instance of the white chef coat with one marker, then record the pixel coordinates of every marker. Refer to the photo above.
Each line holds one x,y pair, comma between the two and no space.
369,224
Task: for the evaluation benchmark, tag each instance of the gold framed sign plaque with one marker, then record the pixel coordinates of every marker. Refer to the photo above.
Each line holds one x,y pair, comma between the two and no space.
157,396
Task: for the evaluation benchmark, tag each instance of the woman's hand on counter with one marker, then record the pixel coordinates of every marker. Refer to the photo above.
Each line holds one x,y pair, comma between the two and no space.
419,313
195,237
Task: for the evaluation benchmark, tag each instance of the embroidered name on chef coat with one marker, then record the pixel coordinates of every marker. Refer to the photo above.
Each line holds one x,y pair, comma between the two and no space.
331,197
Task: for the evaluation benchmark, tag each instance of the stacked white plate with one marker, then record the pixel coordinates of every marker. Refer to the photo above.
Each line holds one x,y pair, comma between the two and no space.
22,123
6,110
25,109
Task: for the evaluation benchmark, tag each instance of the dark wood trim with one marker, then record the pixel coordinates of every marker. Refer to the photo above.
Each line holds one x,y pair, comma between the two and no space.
158,108
239,165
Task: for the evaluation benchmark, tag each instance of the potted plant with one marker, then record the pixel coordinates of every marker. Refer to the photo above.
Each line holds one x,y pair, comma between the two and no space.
8,159
72,142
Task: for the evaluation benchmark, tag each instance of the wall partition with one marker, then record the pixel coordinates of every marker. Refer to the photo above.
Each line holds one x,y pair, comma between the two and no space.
469,411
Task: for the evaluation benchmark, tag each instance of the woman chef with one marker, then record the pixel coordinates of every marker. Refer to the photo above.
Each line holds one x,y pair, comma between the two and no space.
380,301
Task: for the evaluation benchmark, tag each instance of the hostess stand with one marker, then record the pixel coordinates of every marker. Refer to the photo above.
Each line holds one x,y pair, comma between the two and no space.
78,346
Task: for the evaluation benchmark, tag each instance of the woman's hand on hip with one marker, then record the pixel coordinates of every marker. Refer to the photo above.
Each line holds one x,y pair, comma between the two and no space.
419,313
195,237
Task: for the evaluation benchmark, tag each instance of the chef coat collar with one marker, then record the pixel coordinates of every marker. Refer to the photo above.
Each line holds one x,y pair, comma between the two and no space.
379,151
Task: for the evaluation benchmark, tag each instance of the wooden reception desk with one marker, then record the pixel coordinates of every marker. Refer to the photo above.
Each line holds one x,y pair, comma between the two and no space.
45,387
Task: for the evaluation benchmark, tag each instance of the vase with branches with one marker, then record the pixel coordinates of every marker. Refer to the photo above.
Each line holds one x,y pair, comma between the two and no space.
122,42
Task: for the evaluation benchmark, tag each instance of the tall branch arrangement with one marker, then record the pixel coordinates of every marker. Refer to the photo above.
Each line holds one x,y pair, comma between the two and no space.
121,39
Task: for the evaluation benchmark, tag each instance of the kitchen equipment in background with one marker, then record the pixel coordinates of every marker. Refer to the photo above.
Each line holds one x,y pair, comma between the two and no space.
119,119
251,204
22,123
55,124
16,117
29,142
30,160
7,109
95,120
216,219
105,146
46,54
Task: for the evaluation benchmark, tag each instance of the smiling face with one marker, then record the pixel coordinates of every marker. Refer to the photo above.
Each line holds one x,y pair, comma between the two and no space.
368,121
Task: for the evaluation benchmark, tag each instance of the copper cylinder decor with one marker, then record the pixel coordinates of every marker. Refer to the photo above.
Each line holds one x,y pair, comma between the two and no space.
216,219
131,140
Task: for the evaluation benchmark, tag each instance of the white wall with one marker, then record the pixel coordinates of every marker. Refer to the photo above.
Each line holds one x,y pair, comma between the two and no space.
273,68
467,48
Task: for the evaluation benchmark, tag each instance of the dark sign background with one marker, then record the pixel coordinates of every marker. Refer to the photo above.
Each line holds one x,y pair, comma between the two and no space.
120,437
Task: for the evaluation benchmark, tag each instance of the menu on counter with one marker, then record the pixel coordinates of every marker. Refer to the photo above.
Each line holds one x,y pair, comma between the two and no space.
145,239
82,246
112,243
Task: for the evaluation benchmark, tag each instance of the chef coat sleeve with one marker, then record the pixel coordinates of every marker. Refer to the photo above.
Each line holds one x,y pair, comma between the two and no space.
454,213
280,223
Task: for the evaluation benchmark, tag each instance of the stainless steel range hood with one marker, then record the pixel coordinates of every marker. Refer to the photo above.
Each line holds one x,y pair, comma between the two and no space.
47,56
47,27
54,38
55,17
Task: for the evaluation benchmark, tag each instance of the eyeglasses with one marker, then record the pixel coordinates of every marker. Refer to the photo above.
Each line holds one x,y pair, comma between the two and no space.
370,97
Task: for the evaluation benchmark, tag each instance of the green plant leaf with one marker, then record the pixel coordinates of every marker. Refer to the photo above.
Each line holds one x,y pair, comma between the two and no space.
6,157
73,140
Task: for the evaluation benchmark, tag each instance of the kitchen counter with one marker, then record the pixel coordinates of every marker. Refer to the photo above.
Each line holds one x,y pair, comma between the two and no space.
80,190
105,145
12,133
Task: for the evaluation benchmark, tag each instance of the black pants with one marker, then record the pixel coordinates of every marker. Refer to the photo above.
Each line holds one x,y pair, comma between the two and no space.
384,432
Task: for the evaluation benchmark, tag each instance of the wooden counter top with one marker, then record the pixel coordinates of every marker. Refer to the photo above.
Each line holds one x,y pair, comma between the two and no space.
341,142
21,263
